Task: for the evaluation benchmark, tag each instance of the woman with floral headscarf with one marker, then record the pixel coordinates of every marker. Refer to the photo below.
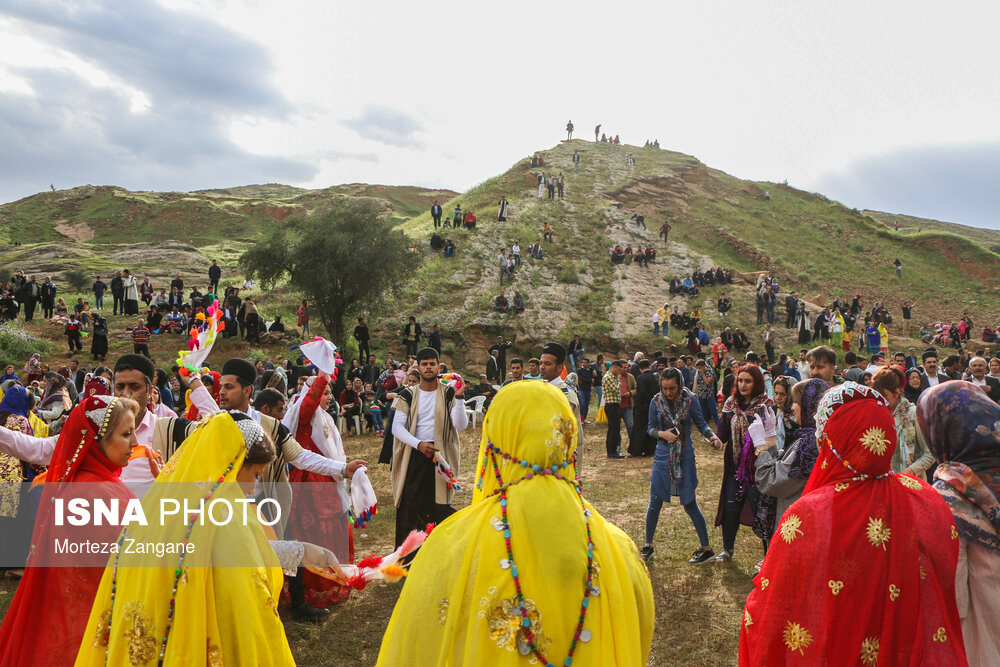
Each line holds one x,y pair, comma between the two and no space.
738,497
912,456
58,590
962,428
861,569
781,476
529,569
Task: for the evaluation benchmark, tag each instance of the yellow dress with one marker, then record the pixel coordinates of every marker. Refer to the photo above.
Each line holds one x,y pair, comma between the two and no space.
222,615
460,606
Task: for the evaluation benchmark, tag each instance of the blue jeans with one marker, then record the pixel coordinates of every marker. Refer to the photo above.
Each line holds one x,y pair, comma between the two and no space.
693,511
709,408
656,328
377,419
627,418
584,402
599,390
665,328
99,301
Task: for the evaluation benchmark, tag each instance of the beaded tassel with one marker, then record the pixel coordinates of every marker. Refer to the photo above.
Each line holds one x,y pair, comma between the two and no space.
589,587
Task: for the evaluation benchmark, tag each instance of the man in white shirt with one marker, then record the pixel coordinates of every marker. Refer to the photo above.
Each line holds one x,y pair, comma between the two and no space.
929,375
803,365
551,363
425,430
978,377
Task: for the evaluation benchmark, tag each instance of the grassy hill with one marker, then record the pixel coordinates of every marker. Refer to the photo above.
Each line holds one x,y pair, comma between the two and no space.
816,246
813,245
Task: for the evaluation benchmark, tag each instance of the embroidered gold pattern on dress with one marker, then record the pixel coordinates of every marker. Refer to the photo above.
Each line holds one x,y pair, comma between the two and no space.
909,482
171,465
954,532
764,583
835,586
940,636
841,486
507,624
443,611
796,637
893,592
878,532
562,441
869,651
103,634
790,528
213,654
747,621
825,464
139,632
261,576
875,441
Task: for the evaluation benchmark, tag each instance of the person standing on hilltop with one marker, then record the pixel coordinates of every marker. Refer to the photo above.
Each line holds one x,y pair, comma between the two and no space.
130,293
502,210
559,185
597,133
541,185
907,314
48,298
665,230
457,217
569,131
214,275
117,294
436,214
550,183
576,162
98,288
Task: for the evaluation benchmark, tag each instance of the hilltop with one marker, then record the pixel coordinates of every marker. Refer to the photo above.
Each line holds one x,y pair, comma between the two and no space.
815,246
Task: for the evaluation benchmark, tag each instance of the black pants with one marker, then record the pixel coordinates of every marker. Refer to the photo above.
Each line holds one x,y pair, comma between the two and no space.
117,304
416,506
47,309
639,441
437,221
141,349
214,287
411,347
74,340
29,310
790,319
363,352
613,441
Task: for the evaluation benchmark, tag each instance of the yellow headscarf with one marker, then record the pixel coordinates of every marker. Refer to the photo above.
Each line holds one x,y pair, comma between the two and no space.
221,615
458,605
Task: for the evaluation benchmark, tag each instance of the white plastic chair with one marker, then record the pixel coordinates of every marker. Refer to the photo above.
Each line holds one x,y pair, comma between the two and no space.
476,410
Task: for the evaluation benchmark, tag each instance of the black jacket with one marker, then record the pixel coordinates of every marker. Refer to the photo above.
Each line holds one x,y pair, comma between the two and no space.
646,387
924,384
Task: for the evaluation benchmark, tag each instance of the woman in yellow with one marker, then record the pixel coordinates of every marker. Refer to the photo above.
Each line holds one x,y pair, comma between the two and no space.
175,609
530,572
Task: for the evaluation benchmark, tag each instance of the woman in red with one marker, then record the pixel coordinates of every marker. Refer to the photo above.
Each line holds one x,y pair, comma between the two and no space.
47,618
319,507
861,569
303,319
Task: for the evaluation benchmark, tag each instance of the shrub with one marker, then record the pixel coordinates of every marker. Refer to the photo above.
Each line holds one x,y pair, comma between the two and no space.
568,275
77,279
17,345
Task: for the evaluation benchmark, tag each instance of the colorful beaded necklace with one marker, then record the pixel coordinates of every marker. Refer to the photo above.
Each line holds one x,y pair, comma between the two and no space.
177,574
509,563
859,476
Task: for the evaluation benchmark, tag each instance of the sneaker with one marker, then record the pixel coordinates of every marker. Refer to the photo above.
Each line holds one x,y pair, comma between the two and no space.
701,556
646,553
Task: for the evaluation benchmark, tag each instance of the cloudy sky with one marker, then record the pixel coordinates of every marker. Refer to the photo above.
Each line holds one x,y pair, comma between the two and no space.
889,105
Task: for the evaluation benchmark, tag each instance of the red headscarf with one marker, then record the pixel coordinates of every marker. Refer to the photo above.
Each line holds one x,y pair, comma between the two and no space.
861,569
192,413
56,598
